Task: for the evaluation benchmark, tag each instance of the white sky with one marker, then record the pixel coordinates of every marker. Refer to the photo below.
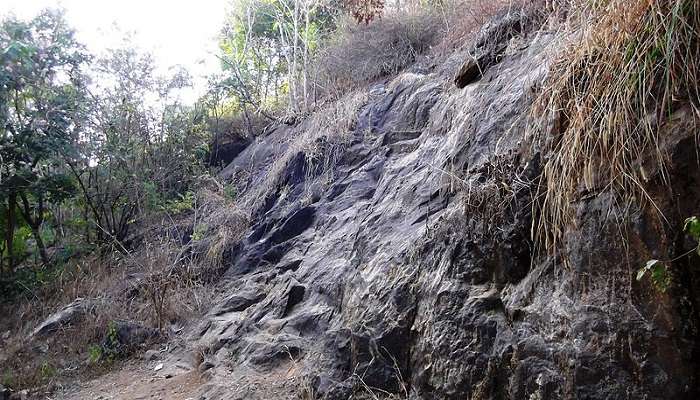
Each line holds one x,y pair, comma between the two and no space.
176,32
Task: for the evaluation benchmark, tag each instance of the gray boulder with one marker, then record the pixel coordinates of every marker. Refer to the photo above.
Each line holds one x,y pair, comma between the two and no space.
4,393
123,337
67,315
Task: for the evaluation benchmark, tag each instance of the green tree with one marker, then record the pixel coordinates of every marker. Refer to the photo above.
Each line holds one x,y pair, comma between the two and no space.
140,146
41,90
267,49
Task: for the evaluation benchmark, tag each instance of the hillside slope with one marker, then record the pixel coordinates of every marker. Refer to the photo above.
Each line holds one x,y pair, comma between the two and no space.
399,260
390,252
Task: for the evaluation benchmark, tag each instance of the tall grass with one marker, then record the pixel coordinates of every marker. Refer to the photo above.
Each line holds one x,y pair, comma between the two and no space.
630,65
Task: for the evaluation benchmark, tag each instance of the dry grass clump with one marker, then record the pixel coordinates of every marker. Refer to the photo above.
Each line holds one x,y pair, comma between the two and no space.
322,140
361,53
335,124
218,224
464,18
630,65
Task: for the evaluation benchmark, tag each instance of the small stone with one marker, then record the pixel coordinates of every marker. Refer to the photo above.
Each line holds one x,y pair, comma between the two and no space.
206,365
151,355
377,90
22,395
42,348
4,393
63,317
158,367
468,73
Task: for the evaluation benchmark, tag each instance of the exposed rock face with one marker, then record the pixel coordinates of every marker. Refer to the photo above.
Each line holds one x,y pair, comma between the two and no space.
491,44
65,316
413,271
124,337
226,148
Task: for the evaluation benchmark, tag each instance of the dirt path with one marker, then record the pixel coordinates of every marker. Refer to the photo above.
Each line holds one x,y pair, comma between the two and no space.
137,382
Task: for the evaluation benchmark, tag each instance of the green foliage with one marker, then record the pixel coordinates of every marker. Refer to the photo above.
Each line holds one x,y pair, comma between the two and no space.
112,337
41,90
183,202
8,378
94,354
140,157
79,169
26,281
657,271
230,191
109,351
692,228
19,244
71,250
267,49
46,370
152,198
199,231
251,54
35,55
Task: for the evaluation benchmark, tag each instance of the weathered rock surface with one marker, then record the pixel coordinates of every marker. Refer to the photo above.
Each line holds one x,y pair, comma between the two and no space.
412,270
225,148
61,318
123,337
4,393
491,43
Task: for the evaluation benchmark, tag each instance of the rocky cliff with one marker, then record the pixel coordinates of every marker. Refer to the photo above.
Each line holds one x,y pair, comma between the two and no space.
391,250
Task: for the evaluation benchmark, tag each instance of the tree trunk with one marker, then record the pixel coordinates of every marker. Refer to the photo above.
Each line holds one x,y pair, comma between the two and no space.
295,53
35,224
305,54
10,231
40,244
86,217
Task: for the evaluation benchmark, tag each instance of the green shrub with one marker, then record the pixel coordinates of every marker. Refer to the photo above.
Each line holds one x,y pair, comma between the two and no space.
658,271
47,371
184,202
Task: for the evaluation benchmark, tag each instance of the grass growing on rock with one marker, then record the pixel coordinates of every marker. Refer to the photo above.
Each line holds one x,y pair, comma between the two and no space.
361,53
629,66
321,140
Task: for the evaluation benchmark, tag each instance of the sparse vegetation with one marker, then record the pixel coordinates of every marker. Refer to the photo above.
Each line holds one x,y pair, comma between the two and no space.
324,137
658,270
112,191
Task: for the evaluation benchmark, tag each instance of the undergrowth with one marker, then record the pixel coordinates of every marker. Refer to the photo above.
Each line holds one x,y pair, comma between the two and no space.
162,281
629,66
